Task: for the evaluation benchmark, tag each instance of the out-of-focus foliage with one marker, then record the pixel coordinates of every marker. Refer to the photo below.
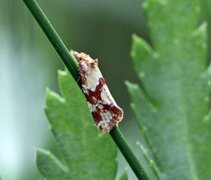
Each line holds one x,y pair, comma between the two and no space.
24,75
172,105
86,153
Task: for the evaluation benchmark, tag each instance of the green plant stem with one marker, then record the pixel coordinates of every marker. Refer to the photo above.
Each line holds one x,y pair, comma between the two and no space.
72,66
123,146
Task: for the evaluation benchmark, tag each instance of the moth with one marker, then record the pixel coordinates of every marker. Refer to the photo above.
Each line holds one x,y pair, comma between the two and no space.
105,111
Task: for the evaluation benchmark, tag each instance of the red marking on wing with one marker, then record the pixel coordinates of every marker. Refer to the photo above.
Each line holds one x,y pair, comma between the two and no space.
97,117
95,96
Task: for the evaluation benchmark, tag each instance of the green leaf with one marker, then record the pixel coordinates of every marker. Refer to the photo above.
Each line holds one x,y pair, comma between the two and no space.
86,153
171,105
51,166
123,176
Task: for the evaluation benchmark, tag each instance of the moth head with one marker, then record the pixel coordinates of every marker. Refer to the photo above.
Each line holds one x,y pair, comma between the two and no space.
85,59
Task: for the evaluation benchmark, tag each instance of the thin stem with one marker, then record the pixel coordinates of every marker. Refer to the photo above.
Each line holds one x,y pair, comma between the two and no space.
123,146
73,68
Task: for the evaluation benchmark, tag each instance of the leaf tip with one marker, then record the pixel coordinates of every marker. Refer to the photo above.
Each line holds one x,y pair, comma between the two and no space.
48,93
61,72
200,35
50,98
40,154
127,83
145,5
47,97
41,151
140,48
130,85
124,175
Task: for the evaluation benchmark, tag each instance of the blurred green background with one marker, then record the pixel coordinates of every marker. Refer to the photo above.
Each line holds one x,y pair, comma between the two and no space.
28,64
